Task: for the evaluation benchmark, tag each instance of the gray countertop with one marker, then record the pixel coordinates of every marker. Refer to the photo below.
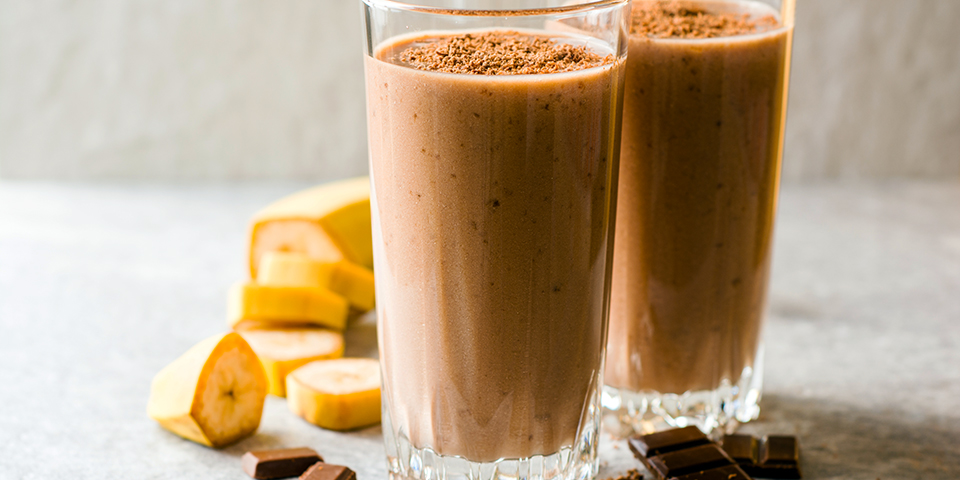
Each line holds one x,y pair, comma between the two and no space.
103,285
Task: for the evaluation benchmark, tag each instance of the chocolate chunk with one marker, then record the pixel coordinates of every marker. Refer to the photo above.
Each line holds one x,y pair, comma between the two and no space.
325,471
646,446
687,454
730,472
779,458
281,463
779,449
741,448
691,460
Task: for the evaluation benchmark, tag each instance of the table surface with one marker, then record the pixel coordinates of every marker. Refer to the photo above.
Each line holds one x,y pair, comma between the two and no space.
103,285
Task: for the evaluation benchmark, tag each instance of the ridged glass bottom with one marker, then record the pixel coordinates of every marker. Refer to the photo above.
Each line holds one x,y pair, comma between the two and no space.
575,462
626,413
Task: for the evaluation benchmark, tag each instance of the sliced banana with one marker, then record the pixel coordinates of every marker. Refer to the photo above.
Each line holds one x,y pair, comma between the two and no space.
355,283
213,394
329,222
251,302
292,269
283,350
347,279
342,394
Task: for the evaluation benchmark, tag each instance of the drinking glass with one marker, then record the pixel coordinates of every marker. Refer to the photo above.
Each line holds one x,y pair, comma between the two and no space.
492,204
703,125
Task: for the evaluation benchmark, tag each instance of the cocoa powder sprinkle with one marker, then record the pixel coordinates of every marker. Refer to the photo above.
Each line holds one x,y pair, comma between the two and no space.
675,20
499,53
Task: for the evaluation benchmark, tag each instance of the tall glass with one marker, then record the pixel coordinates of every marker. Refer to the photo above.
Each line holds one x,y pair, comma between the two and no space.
703,127
492,201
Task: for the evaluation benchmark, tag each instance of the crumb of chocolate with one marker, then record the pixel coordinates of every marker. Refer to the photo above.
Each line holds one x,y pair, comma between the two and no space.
630,475
674,20
500,53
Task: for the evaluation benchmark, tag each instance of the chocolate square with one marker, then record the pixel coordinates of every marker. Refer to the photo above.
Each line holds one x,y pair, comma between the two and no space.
667,441
691,460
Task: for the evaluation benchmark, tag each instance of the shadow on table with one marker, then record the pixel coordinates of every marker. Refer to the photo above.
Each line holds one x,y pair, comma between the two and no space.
839,441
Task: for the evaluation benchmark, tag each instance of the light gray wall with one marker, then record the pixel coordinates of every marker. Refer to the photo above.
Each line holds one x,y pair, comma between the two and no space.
875,90
181,89
238,89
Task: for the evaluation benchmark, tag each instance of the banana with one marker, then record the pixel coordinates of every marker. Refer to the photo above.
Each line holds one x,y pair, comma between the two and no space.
330,222
347,279
213,394
283,350
289,269
341,394
355,283
291,305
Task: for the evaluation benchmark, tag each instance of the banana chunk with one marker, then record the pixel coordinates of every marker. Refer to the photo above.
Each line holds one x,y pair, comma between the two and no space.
213,394
286,305
329,222
347,279
355,283
289,269
283,350
341,394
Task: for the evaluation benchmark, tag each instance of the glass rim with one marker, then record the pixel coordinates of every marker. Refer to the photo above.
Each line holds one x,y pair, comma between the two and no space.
409,6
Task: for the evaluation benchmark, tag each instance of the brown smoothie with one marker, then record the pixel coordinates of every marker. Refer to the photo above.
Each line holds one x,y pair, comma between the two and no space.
493,159
703,120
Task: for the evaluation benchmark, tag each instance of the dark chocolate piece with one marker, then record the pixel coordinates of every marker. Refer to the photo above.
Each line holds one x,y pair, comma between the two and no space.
741,448
779,458
646,446
730,472
281,463
325,471
691,460
779,449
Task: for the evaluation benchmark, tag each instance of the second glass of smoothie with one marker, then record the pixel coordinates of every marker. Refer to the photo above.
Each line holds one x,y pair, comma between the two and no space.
703,122
494,139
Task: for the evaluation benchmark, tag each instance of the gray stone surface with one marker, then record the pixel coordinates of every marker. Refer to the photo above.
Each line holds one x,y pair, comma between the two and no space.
102,285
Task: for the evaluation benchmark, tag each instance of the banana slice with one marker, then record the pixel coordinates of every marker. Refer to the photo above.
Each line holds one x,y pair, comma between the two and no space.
289,305
355,283
347,279
341,394
283,350
213,394
291,269
330,222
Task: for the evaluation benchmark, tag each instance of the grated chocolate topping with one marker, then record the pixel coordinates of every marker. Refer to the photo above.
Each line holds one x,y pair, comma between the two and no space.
500,53
675,20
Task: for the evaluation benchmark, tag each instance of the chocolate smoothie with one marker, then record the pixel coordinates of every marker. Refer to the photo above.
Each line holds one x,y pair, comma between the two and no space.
493,158
703,119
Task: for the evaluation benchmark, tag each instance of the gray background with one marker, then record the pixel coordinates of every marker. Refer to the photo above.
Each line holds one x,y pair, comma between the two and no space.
251,89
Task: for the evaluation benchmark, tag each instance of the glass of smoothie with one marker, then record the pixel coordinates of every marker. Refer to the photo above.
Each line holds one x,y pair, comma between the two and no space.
705,101
494,149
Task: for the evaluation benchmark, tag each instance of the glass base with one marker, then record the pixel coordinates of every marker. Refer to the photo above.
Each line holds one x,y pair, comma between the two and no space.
574,462
718,411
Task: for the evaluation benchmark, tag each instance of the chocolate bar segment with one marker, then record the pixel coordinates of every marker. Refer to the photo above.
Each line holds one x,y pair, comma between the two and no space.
741,448
325,471
730,472
779,449
779,458
666,441
280,463
776,456
691,460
